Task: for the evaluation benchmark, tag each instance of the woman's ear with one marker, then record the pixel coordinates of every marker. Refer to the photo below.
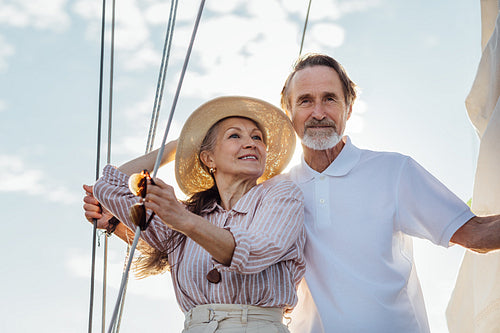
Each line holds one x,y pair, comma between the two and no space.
207,159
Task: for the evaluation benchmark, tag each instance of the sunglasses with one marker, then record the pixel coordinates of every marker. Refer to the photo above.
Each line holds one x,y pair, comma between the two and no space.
138,185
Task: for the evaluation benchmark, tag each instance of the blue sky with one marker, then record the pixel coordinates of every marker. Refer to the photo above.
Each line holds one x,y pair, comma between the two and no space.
414,62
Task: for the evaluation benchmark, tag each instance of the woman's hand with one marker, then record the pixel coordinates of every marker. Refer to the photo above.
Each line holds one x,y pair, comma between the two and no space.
93,210
162,200
219,242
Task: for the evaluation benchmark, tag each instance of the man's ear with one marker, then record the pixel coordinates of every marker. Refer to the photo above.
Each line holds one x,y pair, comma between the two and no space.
207,159
349,112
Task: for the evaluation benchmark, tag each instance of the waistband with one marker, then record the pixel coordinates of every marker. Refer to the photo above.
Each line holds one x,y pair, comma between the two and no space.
213,314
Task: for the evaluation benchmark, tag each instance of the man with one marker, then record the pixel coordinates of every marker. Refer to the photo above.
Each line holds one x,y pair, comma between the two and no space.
361,209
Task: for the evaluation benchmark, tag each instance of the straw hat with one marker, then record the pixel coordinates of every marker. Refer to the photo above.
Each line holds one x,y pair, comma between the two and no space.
277,129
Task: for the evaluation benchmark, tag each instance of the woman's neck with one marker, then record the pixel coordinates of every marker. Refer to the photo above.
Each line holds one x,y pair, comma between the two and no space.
232,190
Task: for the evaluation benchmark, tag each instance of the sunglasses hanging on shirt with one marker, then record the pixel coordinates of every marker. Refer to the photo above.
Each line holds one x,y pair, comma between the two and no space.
138,185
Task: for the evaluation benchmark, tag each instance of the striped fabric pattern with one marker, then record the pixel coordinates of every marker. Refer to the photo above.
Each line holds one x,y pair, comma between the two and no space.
268,261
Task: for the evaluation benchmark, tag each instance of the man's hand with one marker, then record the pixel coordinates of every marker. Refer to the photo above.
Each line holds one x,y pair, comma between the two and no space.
479,234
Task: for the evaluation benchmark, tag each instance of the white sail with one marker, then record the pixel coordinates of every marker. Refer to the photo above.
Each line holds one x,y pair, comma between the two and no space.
475,303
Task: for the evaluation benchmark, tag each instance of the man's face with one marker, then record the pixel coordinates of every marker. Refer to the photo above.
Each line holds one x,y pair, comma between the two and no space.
318,108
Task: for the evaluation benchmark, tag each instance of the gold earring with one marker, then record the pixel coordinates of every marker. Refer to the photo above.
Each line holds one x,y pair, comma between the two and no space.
211,170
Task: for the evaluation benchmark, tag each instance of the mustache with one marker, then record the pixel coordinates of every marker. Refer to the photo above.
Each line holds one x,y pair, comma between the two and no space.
322,122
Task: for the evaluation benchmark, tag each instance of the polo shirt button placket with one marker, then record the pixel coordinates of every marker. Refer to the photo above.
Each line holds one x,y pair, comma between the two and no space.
322,195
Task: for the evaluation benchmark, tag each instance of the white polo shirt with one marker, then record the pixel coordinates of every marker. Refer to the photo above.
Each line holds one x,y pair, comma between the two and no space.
359,214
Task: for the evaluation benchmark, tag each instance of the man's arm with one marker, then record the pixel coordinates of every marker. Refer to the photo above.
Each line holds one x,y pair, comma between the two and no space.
479,234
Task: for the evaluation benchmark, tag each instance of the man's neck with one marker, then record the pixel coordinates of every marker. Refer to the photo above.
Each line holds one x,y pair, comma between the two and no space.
319,160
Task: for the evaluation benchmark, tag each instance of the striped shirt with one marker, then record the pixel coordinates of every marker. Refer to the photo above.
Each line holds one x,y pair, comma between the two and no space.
268,261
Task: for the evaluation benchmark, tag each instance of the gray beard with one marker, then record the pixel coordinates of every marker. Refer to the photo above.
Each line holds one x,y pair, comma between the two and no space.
321,142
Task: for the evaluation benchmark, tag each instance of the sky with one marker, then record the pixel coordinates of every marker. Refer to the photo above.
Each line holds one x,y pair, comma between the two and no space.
414,63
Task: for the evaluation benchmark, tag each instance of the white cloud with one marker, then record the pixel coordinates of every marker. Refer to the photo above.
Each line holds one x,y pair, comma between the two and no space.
142,58
228,45
431,41
349,6
242,55
137,119
47,14
6,51
225,6
16,176
326,35
157,287
356,122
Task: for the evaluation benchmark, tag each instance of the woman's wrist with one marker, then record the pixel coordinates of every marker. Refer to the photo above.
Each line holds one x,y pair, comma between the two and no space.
112,224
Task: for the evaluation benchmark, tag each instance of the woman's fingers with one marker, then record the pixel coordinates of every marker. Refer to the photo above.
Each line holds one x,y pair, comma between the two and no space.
91,215
89,199
89,189
159,183
91,205
160,191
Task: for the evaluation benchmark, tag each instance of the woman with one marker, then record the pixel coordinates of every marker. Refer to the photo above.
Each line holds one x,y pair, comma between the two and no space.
234,248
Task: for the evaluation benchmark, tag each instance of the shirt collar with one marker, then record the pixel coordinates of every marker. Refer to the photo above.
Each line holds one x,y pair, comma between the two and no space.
241,207
345,162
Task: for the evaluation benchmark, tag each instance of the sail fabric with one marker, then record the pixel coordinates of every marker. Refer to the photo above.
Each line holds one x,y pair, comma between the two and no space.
474,306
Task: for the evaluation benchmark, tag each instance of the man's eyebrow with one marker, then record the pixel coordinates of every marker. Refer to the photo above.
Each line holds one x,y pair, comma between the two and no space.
306,95
330,94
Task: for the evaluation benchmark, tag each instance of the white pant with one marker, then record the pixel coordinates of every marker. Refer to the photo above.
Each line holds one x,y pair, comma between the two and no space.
234,318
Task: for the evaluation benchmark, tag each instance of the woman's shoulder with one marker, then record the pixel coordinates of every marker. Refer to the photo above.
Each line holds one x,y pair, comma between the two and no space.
283,185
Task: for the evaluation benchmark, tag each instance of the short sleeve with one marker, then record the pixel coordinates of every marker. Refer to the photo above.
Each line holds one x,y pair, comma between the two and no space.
426,208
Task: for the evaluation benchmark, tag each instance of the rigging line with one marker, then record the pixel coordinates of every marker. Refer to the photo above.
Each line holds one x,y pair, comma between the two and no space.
122,303
94,231
305,27
154,120
176,97
108,161
162,74
158,159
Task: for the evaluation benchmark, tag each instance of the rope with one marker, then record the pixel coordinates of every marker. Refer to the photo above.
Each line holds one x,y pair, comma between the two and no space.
99,123
161,76
108,161
157,163
305,27
153,125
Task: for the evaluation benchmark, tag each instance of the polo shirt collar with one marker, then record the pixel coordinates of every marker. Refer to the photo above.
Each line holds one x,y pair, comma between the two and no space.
341,166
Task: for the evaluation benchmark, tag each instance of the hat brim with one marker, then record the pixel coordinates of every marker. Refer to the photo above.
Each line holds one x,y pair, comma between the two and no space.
275,124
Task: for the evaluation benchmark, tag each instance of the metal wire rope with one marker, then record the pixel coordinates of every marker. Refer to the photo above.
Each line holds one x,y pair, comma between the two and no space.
161,76
153,125
305,27
98,153
158,159
108,161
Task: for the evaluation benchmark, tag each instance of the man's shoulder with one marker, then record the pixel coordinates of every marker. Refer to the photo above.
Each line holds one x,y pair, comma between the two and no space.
367,156
294,173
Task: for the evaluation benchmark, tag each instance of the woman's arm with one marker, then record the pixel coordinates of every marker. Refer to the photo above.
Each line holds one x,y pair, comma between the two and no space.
275,234
93,210
217,241
148,161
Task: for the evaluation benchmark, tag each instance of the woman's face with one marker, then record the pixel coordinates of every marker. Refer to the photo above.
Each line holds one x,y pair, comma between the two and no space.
239,150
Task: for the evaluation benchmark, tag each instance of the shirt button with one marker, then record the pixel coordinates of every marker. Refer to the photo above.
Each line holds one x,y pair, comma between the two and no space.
321,177
321,201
